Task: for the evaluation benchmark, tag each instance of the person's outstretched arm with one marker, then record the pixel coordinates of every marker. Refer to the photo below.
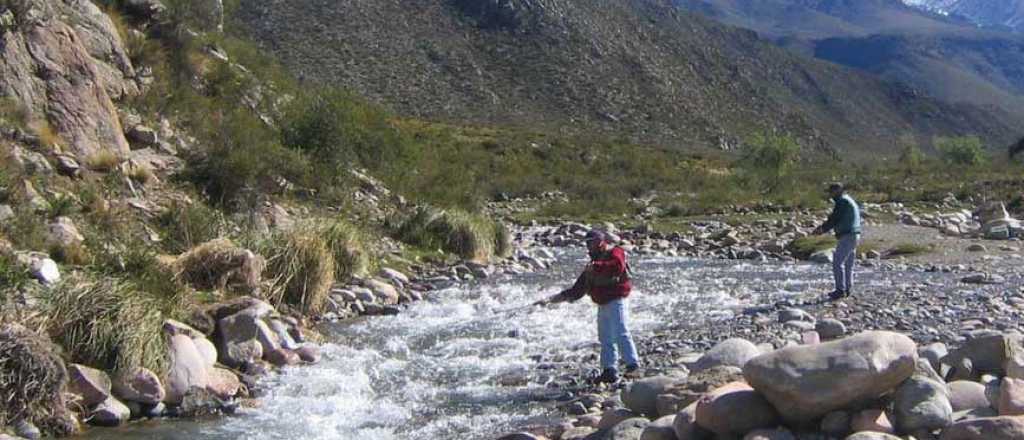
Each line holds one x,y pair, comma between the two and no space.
572,294
831,222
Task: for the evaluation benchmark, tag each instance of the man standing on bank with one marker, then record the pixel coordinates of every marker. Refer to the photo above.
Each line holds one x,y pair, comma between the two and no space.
845,221
606,280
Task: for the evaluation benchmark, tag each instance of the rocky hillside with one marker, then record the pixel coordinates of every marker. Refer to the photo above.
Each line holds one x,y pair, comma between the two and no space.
944,56
990,13
638,68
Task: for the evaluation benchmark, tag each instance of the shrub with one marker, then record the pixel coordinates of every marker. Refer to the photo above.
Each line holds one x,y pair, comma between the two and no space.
244,158
911,158
185,226
109,324
300,267
348,247
13,113
103,161
805,247
769,158
962,151
469,236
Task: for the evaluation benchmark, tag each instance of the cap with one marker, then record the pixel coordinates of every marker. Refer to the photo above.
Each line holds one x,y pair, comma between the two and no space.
596,235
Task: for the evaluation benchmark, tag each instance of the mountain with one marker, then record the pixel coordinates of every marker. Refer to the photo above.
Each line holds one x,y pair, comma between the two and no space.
1007,14
941,55
641,69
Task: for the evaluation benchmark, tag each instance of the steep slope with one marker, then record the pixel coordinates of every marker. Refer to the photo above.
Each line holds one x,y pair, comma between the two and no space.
942,54
636,68
990,13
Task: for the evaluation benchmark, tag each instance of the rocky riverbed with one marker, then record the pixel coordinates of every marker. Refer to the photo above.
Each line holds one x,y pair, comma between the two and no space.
468,362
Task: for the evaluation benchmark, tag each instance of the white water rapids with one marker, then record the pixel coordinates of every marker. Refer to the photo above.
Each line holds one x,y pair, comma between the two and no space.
454,367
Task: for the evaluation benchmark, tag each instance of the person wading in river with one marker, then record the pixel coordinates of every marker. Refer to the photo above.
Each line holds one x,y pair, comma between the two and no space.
845,221
606,280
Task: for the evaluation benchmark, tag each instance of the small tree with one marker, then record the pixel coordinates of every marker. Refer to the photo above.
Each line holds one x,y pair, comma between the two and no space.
962,151
911,158
770,157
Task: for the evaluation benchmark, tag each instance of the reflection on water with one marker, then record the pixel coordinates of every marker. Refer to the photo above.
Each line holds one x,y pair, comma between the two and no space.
461,365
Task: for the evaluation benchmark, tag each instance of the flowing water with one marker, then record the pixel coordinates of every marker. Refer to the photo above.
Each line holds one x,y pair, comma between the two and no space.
463,364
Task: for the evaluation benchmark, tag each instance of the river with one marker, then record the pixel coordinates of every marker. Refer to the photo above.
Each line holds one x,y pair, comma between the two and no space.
464,365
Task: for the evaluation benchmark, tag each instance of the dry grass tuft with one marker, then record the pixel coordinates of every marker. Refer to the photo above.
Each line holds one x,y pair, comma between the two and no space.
109,324
301,267
103,161
348,246
32,381
220,265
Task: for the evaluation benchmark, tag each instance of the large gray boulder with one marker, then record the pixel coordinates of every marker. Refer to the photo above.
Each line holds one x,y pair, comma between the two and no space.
686,427
993,428
807,382
983,353
734,410
92,384
733,352
868,435
642,396
966,395
243,338
139,385
187,369
660,429
921,404
770,434
629,429
110,412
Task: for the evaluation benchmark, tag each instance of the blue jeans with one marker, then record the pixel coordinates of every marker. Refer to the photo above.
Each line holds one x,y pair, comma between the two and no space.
614,336
843,261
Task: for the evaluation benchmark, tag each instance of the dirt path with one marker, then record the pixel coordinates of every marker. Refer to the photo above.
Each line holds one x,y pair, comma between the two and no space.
944,250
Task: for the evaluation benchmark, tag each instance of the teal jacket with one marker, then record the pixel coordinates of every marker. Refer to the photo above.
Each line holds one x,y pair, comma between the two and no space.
845,217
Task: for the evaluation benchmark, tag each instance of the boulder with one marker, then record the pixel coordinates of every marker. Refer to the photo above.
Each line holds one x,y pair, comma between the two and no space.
1011,397
734,410
49,70
934,354
385,292
993,428
770,434
172,327
110,412
966,395
830,329
868,435
281,331
139,385
223,383
63,232
578,433
92,384
788,315
45,271
731,352
187,369
244,329
660,429
873,420
281,357
686,427
308,353
922,404
669,404
629,429
807,382
700,383
641,396
986,352
207,350
836,424
613,416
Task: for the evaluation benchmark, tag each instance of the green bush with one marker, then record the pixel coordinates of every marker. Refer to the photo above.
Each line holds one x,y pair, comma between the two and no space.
470,236
347,245
803,248
962,151
183,227
769,158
